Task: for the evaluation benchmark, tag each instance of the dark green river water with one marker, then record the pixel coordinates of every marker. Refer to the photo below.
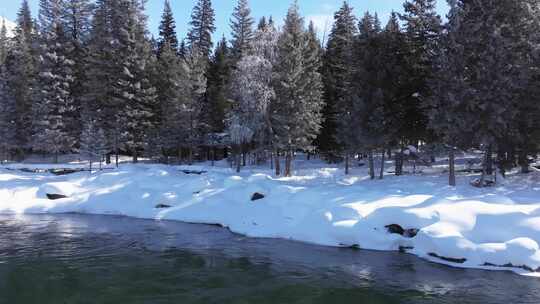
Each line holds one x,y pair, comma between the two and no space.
101,259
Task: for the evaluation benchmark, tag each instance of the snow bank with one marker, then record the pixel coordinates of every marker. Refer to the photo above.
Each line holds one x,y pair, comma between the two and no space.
497,228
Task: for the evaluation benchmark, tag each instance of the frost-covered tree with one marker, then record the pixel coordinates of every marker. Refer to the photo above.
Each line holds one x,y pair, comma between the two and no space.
54,109
4,42
76,22
251,92
202,27
134,90
242,29
93,142
297,111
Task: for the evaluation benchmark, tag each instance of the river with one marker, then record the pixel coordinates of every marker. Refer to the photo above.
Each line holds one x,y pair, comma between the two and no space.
107,259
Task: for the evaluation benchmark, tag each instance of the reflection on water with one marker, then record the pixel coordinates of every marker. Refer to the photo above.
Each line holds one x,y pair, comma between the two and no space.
99,259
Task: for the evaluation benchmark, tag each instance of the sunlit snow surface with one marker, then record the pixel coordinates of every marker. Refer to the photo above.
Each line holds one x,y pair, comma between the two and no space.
492,226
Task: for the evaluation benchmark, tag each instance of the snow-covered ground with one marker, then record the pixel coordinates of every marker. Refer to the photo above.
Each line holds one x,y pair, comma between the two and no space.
462,226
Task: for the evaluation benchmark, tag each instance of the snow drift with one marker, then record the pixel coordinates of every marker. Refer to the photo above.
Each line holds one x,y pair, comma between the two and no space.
496,228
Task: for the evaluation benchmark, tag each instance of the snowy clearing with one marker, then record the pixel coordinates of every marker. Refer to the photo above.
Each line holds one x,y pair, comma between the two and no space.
493,228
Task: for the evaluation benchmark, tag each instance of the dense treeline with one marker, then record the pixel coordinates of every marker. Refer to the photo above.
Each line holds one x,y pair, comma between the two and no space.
87,77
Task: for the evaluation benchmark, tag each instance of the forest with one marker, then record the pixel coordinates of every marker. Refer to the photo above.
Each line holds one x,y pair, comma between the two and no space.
88,77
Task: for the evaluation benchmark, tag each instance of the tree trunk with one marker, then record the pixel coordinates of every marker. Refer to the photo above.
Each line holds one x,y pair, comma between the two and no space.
278,165
381,176
524,163
108,159
237,159
135,157
288,161
489,161
399,163
347,163
213,156
190,156
371,165
90,161
452,168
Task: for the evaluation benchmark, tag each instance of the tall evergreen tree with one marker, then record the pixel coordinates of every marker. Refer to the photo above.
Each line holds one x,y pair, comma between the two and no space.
167,30
218,80
76,20
336,61
298,88
19,81
101,74
134,90
423,28
202,27
242,29
54,108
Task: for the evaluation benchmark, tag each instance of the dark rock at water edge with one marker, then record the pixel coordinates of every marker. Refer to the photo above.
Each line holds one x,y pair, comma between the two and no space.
257,196
55,196
448,259
193,172
397,229
162,206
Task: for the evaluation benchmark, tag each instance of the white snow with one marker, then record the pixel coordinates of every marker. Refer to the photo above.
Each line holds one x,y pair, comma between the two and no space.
492,226
10,26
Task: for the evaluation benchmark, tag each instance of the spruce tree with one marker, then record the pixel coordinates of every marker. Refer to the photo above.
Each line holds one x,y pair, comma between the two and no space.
167,30
134,90
53,109
218,80
297,110
20,71
101,73
202,27
242,30
76,21
336,62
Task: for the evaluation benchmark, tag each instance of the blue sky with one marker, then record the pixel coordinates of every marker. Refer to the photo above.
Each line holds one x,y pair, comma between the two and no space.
320,11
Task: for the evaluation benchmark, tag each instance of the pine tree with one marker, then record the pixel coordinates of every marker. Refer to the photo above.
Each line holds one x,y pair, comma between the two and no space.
167,30
8,142
423,28
298,88
361,112
242,30
134,90
20,80
101,73
202,27
218,80
170,84
76,21
53,109
196,85
336,62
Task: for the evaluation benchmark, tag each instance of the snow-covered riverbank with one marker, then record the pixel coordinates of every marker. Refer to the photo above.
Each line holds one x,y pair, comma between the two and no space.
462,226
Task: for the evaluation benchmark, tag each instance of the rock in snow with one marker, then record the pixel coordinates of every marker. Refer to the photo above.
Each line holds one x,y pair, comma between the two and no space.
55,196
462,226
257,196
